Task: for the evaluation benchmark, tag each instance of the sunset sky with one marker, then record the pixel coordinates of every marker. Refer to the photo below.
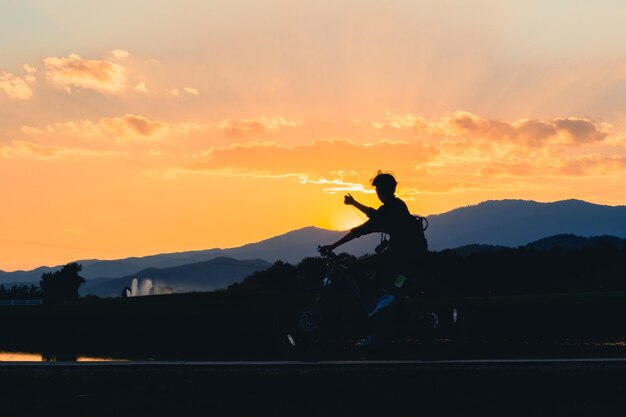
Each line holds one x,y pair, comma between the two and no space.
130,128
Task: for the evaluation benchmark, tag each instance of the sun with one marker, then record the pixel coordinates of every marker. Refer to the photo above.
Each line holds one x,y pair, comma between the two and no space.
346,219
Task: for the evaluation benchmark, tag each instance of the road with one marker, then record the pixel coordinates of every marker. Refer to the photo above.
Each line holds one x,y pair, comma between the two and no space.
524,387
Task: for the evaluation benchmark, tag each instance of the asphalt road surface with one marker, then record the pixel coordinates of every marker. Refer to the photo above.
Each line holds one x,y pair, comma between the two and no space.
525,387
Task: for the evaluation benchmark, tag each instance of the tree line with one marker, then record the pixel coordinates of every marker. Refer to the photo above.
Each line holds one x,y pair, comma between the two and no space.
502,271
20,292
54,287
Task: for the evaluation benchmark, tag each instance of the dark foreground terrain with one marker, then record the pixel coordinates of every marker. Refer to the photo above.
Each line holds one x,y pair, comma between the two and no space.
478,388
245,326
253,326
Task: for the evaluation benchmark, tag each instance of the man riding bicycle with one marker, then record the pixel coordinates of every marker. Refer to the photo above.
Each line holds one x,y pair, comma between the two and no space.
398,260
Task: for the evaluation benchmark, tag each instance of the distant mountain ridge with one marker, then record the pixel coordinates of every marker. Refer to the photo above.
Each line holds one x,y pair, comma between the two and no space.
573,242
289,247
509,223
204,276
562,241
514,223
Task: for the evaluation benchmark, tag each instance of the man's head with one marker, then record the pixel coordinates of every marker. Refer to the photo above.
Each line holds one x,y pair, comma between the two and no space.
385,185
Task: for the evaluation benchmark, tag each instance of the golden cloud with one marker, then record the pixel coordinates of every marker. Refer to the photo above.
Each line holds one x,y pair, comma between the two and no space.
82,128
527,132
130,127
587,165
187,91
514,169
191,91
418,187
461,152
322,162
581,130
120,53
141,87
16,87
566,166
74,72
31,71
21,149
255,125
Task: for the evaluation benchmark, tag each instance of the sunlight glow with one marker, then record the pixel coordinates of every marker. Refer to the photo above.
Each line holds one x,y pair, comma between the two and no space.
346,218
115,145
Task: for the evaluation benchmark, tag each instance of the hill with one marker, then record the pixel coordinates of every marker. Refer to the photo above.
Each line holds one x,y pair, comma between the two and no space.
514,223
562,241
574,242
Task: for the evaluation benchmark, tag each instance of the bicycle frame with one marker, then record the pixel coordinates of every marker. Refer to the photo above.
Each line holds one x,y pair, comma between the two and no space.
331,276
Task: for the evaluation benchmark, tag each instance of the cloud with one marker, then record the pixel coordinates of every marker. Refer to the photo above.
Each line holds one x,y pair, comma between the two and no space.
514,169
580,130
616,140
130,127
16,87
418,187
191,91
527,132
74,72
472,147
398,121
82,128
120,53
21,149
566,166
587,165
255,125
30,73
323,160
187,91
334,186
323,163
141,87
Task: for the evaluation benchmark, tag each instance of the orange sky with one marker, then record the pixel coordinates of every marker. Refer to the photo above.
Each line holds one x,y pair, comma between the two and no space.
133,129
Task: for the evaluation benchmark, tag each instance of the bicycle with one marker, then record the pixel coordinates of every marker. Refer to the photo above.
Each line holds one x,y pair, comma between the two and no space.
342,314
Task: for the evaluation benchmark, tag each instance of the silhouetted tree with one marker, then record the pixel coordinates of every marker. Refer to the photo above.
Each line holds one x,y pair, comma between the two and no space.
20,292
61,286
278,277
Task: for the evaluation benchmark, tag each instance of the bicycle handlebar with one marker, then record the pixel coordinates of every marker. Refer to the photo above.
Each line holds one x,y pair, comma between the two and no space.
326,254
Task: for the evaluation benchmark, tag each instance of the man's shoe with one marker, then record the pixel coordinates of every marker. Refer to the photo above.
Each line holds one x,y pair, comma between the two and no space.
383,302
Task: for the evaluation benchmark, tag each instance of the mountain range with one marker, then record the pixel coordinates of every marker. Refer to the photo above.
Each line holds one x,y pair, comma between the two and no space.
204,276
514,223
508,223
289,247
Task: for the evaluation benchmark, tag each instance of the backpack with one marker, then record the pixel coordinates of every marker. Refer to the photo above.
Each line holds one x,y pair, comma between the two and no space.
420,226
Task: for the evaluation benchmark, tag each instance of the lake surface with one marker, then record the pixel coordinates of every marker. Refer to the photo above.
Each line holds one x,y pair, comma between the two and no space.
6,356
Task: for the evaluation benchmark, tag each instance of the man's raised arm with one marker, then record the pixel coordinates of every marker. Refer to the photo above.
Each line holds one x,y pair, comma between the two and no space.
350,201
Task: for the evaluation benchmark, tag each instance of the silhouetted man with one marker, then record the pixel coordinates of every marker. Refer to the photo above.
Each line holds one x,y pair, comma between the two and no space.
398,259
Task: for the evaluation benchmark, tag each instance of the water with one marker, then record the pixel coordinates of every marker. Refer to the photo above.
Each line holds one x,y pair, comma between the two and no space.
10,356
